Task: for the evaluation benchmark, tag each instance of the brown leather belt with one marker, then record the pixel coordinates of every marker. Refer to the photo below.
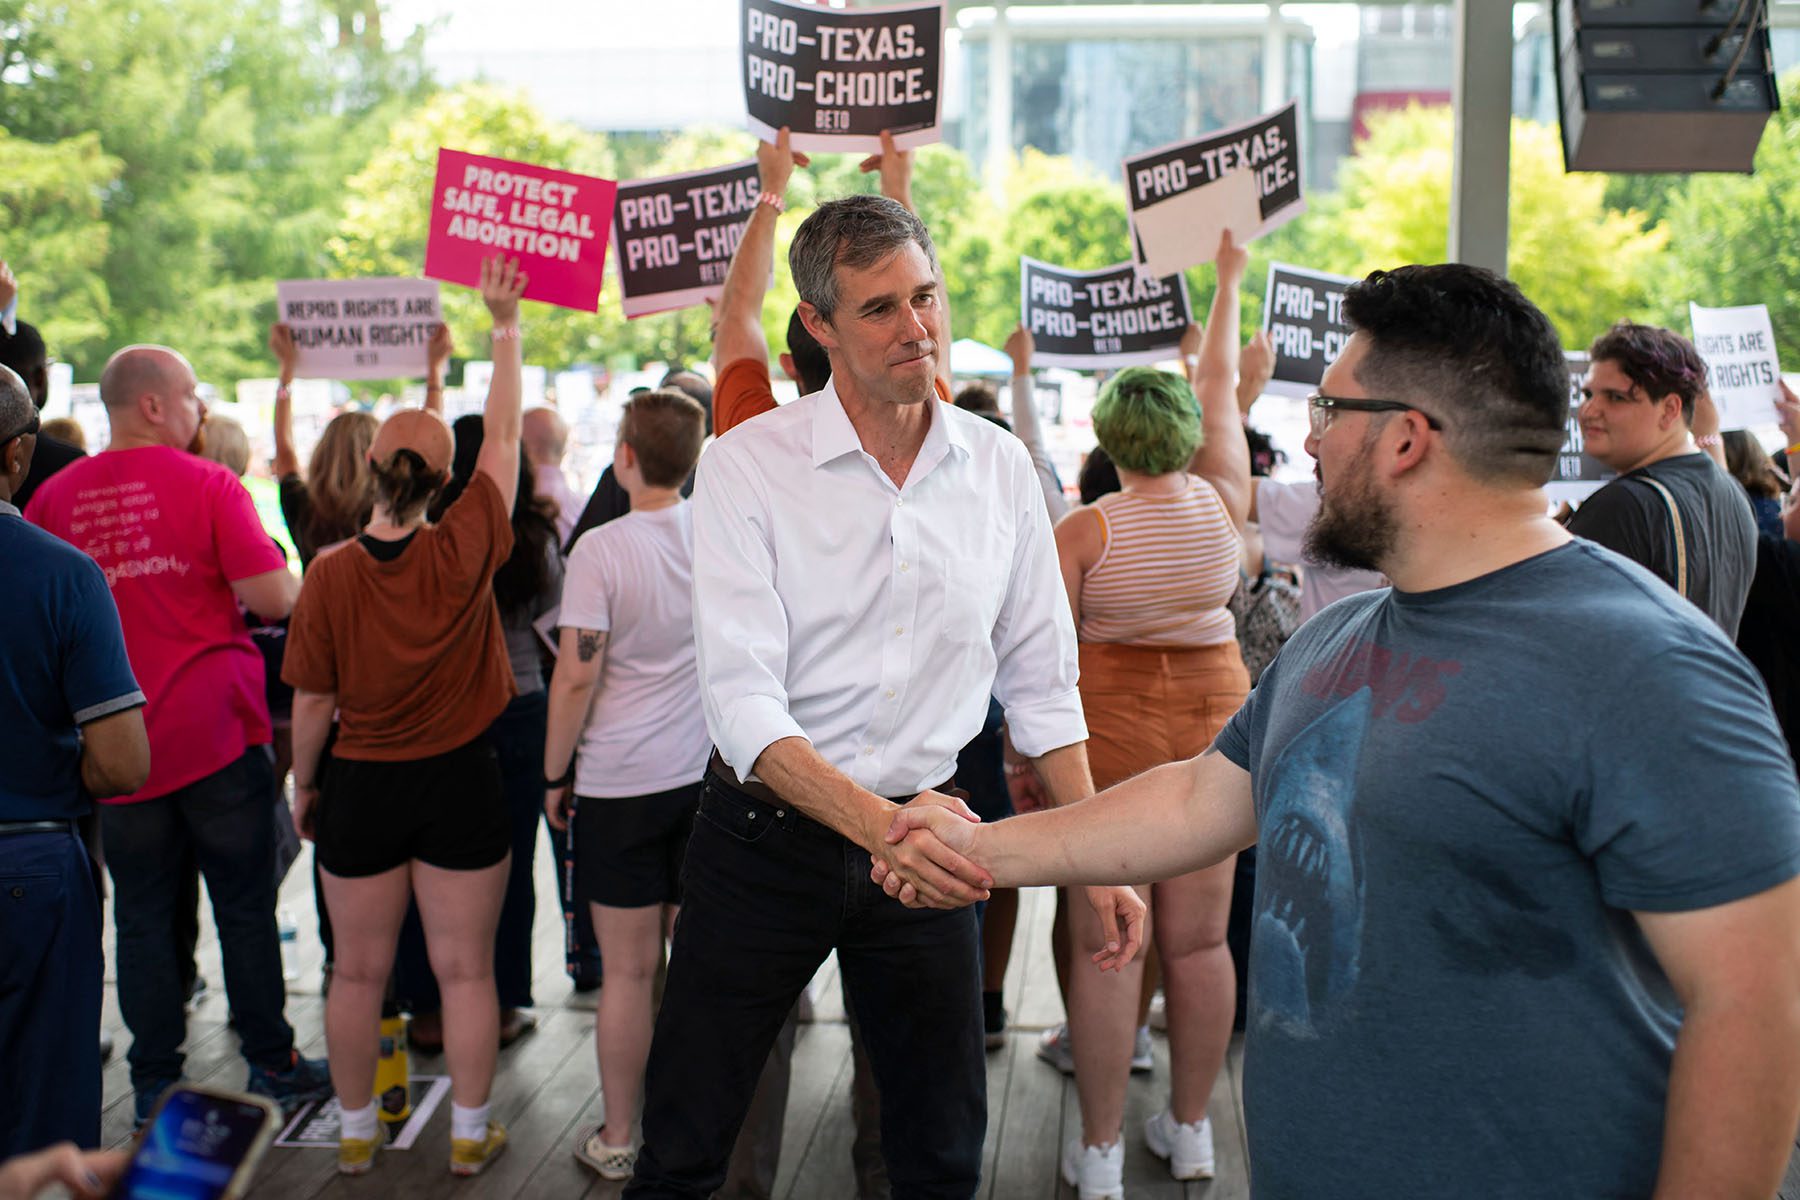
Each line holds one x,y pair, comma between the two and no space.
757,790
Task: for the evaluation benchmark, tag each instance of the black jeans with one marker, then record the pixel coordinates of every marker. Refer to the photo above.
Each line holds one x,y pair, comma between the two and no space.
226,819
767,894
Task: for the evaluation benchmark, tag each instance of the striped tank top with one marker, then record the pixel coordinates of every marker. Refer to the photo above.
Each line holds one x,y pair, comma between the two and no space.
1167,569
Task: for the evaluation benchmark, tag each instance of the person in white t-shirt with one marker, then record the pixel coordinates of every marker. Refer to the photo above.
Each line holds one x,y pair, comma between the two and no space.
627,744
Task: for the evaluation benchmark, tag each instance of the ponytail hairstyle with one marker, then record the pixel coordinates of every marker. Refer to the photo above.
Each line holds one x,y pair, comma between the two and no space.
406,484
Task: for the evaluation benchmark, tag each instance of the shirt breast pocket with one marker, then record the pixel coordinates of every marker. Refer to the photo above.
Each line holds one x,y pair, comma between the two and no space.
973,590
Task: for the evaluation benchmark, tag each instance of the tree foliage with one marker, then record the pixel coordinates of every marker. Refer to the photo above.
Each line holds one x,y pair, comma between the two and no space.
1731,237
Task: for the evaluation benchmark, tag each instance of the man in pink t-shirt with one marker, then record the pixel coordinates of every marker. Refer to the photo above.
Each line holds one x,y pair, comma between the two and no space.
180,545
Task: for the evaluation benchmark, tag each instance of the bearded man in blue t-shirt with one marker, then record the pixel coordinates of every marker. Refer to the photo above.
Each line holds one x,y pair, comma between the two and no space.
1526,914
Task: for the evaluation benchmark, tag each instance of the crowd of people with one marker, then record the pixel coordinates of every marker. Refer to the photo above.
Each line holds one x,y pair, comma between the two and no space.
1498,823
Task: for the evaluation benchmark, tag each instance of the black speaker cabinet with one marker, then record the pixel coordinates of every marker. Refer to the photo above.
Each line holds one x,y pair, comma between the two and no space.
1663,85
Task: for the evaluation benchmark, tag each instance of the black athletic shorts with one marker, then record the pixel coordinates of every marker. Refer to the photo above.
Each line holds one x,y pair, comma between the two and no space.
446,811
629,849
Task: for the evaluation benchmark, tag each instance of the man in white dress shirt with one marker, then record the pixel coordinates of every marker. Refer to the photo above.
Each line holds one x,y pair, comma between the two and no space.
869,566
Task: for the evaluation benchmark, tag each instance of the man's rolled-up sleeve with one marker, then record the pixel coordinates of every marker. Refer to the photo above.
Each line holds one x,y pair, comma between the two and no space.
1034,638
740,624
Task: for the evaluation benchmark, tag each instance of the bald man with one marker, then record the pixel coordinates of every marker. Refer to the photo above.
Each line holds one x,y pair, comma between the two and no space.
180,545
544,438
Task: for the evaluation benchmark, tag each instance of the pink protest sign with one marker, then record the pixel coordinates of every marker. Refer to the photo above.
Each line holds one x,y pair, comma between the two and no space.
554,222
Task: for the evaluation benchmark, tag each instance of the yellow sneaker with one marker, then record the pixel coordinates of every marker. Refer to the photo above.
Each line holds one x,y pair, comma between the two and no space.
357,1155
471,1157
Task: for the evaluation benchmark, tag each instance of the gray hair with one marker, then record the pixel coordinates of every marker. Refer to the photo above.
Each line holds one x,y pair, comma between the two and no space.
856,232
16,408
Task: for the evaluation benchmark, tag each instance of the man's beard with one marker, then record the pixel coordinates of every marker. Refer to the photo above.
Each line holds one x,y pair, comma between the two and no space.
1355,527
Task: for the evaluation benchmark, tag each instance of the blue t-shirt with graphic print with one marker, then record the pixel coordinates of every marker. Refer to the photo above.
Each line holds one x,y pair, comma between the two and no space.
1462,796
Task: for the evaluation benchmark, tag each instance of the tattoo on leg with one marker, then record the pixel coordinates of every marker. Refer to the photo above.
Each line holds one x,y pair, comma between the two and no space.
587,644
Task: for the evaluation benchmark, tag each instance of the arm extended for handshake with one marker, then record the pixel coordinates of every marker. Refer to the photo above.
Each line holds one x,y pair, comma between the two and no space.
1166,822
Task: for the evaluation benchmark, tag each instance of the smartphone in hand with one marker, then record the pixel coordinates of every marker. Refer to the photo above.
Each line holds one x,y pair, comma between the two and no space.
199,1144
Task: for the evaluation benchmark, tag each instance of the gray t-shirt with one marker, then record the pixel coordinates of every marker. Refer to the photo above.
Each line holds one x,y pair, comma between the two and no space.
1718,527
1462,795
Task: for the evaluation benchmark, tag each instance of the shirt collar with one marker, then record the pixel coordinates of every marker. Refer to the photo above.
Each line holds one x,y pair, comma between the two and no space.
834,436
9,510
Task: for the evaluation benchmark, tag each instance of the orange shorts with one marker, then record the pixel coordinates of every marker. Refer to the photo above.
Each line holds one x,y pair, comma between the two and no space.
1150,705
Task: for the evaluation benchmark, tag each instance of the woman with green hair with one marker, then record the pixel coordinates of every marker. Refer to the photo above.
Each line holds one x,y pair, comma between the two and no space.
1149,571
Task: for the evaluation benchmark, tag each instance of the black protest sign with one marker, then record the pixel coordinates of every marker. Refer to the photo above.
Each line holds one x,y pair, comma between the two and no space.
836,78
1578,474
1113,317
673,237
1182,196
1303,312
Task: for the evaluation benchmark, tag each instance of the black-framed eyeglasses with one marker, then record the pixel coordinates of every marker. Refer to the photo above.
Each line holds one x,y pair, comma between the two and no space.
31,427
1319,408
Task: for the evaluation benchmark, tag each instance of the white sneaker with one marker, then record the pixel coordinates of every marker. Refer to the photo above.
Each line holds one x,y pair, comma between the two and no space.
1095,1172
1053,1048
1189,1148
1159,1012
1142,1057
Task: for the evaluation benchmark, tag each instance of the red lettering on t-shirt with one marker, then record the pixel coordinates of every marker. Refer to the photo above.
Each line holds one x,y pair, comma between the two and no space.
1406,686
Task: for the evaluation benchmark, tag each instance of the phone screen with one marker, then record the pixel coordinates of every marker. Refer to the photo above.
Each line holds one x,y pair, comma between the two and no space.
192,1149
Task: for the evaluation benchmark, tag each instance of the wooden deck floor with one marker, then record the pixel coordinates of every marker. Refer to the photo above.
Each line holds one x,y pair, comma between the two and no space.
547,1089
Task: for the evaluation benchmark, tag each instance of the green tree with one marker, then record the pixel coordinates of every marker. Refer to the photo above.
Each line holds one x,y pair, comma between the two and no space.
1731,237
232,124
55,238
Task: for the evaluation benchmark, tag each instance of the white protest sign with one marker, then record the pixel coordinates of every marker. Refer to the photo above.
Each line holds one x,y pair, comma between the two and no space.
1182,196
359,328
1742,370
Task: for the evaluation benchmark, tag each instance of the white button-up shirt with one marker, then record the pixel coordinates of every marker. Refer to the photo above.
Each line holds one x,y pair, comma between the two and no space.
871,620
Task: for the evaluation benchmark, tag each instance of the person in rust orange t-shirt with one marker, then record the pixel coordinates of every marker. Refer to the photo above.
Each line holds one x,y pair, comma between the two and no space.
398,632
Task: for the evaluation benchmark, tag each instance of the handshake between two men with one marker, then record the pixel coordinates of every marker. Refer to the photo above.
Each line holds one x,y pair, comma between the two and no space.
940,855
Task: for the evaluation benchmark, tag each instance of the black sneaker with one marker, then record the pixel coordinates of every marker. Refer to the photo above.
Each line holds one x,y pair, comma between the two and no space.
993,1020
305,1079
144,1100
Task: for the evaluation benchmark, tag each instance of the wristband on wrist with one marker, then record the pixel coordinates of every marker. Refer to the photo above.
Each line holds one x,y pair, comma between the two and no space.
505,333
773,200
1709,439
283,392
568,777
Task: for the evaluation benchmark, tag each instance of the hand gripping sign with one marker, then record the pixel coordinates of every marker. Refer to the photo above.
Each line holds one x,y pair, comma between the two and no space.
837,77
1112,317
673,237
1183,196
554,222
